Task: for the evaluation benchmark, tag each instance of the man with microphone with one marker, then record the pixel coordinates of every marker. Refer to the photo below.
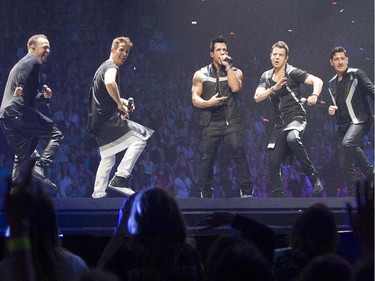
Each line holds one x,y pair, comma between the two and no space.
349,90
108,121
23,124
281,85
214,90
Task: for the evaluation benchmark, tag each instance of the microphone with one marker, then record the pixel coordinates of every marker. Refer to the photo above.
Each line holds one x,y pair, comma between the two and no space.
47,100
304,100
130,102
228,59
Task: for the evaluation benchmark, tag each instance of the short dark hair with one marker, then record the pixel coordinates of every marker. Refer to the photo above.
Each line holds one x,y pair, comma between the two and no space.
281,45
218,39
338,50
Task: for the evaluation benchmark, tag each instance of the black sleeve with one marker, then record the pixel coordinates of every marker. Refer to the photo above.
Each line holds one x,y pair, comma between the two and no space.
365,83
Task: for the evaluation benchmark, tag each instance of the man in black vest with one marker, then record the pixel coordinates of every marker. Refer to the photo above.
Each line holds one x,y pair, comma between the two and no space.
349,90
214,90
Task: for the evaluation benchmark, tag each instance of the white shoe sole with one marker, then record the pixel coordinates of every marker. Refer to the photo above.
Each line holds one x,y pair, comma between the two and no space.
123,190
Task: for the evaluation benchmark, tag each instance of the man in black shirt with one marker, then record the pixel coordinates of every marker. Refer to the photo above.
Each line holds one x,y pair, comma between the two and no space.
281,85
108,121
349,90
22,123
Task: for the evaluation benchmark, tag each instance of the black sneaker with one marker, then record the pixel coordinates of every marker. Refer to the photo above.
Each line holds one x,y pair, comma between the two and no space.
207,192
39,177
245,194
121,184
278,193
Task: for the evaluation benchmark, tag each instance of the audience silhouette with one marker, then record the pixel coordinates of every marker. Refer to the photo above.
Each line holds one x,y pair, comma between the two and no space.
232,257
34,237
156,244
313,234
327,268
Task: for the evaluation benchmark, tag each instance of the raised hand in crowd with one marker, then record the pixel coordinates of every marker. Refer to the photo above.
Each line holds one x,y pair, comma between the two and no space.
18,205
362,221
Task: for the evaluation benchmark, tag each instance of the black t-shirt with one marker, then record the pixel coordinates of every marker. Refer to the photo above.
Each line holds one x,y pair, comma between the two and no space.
286,101
101,104
24,74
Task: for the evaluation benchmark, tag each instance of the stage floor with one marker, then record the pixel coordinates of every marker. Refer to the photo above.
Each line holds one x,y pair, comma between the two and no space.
88,216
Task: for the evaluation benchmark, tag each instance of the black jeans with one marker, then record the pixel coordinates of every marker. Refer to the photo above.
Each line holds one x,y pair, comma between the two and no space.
288,142
351,154
23,134
231,135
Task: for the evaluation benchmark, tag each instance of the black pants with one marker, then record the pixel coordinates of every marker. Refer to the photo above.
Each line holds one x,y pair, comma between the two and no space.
288,142
23,134
231,135
350,153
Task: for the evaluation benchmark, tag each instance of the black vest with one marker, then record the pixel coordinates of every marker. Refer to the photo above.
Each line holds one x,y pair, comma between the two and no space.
213,84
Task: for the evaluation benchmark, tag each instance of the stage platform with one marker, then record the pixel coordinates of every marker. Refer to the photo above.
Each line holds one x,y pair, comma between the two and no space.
87,216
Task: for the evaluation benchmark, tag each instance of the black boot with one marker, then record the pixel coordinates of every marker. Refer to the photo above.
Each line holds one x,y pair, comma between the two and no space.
207,192
39,177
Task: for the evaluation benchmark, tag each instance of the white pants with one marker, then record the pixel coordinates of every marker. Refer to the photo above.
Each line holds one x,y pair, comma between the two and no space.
124,169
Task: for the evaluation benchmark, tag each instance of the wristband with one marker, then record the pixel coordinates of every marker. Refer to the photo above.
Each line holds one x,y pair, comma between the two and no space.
315,95
18,244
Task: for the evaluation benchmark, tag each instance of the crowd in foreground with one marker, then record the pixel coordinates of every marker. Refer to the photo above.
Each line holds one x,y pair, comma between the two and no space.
151,242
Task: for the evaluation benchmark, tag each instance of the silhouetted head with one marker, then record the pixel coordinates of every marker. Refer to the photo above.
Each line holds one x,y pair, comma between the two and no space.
314,231
232,257
327,268
155,215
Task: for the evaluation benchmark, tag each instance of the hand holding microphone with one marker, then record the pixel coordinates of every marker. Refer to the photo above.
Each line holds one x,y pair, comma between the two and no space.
332,109
130,104
46,91
304,100
126,107
47,94
18,92
226,61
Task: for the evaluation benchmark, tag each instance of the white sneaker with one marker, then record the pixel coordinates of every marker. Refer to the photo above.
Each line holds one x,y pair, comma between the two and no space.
123,190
